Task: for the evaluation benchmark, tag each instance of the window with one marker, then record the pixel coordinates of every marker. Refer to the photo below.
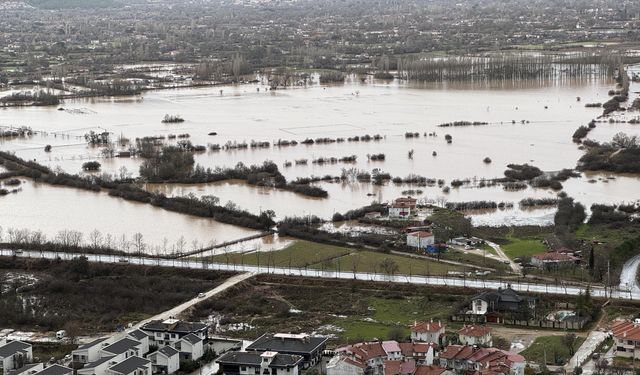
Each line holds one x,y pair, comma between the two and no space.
243,368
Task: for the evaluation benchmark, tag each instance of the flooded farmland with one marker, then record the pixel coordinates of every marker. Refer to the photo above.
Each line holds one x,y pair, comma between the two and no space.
528,122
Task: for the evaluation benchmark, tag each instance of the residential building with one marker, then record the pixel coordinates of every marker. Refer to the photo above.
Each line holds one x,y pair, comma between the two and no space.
309,347
190,347
98,367
501,300
627,339
431,331
399,211
475,335
553,259
55,370
473,359
14,355
372,357
263,363
29,369
142,338
131,366
165,360
342,365
89,352
122,349
170,331
420,239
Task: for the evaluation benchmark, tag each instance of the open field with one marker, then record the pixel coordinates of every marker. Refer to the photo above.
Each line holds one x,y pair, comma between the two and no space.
345,310
553,348
305,254
521,247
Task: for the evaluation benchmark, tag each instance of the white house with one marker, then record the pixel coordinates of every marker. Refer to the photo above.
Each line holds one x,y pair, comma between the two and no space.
627,339
131,366
475,335
190,347
392,349
431,332
264,363
14,354
420,239
142,338
30,369
89,352
170,331
55,370
122,349
399,211
342,365
98,367
165,360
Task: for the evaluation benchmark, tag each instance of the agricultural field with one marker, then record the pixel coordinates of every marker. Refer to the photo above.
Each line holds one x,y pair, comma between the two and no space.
553,348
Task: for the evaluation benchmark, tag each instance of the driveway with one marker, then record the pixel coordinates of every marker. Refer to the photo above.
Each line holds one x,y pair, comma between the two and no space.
514,267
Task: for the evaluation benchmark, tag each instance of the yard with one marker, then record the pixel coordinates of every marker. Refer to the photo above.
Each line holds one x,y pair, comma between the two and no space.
378,262
552,348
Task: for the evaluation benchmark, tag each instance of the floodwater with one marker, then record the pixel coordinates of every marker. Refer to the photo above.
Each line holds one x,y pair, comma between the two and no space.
52,209
550,110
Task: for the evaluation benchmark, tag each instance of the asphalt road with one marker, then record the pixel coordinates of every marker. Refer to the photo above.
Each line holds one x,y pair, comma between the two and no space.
476,283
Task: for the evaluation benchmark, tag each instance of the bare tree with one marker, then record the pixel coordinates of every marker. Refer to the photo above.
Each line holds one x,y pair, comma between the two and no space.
138,243
95,239
389,266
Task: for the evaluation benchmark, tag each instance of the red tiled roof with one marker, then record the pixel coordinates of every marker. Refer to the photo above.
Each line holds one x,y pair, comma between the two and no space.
474,331
419,348
421,234
553,256
399,367
456,352
428,370
625,329
355,363
424,327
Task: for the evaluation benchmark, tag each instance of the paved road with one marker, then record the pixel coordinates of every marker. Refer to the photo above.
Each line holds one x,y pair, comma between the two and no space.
514,267
586,349
628,277
476,283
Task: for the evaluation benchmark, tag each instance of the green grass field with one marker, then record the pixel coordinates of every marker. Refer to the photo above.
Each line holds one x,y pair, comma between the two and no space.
393,314
519,247
304,254
553,346
299,254
371,261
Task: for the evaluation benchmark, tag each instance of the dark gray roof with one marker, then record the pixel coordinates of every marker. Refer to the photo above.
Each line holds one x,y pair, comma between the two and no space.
55,370
177,327
92,343
191,338
129,365
13,347
98,362
254,359
22,369
268,342
137,334
168,351
121,346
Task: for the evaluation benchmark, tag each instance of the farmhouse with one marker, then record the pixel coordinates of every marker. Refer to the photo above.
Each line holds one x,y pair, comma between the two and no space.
420,240
553,259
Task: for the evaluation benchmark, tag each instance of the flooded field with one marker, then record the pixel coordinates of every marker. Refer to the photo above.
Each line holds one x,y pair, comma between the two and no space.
550,110
53,209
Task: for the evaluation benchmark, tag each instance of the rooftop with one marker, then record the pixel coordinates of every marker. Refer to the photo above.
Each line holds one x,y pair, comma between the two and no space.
55,370
287,344
425,327
92,343
255,359
121,346
130,365
174,325
13,347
